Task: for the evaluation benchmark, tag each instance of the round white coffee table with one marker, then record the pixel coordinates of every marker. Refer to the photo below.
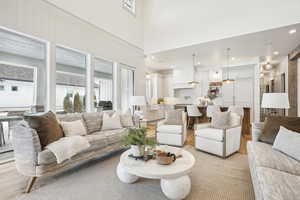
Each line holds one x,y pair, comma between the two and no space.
174,180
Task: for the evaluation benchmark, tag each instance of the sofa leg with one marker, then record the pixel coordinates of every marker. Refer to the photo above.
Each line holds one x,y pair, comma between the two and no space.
30,184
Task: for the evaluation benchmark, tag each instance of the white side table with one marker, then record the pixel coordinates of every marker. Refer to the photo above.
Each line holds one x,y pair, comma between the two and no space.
174,180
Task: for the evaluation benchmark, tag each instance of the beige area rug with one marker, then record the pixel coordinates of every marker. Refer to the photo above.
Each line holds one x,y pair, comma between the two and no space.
213,178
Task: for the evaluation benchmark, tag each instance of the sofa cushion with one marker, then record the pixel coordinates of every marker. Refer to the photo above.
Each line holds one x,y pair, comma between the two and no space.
97,141
175,129
272,125
278,185
93,121
46,126
113,136
210,133
263,155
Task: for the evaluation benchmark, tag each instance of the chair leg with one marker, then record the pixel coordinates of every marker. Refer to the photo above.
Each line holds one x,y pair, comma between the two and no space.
30,184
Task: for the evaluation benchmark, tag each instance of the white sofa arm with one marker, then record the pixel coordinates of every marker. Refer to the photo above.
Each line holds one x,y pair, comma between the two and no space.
256,130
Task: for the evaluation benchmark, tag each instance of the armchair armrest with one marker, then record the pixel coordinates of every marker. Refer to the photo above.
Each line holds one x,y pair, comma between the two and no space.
26,145
202,125
256,130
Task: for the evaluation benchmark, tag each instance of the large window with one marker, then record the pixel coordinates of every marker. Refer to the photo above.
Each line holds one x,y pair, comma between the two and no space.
22,80
103,84
70,80
22,72
127,86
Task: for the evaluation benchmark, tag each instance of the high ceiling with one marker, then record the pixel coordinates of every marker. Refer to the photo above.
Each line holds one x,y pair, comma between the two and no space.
244,49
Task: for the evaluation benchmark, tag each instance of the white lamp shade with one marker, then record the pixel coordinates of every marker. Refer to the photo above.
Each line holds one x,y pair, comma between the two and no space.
275,100
137,101
170,100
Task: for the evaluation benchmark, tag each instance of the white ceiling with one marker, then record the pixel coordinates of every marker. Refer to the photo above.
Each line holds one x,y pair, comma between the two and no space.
244,49
170,24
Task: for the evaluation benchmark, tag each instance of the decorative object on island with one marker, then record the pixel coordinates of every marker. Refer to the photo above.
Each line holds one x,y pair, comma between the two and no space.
160,100
275,101
213,91
228,80
137,140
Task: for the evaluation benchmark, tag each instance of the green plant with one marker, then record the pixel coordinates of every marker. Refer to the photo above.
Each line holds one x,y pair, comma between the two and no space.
160,100
77,103
67,104
137,136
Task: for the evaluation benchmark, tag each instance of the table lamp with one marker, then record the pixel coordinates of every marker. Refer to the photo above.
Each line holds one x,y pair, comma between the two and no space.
275,101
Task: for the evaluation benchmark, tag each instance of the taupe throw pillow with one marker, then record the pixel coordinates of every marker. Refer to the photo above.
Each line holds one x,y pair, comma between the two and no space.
272,125
220,120
46,126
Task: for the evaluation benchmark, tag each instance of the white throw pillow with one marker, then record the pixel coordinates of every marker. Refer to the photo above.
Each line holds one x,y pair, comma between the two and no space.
111,122
288,142
73,128
126,119
220,119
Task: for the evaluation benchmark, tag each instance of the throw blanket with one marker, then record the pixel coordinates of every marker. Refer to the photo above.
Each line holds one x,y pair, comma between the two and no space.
66,147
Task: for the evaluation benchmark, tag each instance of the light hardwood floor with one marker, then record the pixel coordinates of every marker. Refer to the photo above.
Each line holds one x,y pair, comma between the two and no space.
13,184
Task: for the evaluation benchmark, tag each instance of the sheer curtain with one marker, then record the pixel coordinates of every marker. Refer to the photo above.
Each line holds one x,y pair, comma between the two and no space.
127,87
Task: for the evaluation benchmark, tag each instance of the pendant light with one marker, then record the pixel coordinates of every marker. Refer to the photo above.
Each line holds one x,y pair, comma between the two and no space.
228,80
193,83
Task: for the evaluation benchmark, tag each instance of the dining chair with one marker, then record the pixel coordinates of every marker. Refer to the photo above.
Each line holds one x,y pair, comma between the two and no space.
193,113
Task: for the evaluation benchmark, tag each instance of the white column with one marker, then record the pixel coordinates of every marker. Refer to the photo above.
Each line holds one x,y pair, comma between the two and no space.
256,96
51,77
116,87
89,84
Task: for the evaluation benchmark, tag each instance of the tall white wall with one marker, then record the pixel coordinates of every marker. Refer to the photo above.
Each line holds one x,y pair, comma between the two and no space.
175,23
110,16
43,20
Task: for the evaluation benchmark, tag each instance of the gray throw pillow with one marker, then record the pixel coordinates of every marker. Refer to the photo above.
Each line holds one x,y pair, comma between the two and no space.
288,142
93,121
220,119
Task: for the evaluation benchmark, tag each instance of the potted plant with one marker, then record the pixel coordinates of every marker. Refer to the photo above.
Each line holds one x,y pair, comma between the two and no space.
137,140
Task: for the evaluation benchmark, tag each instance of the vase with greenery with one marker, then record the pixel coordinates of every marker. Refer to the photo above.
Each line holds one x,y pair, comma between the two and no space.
77,103
137,140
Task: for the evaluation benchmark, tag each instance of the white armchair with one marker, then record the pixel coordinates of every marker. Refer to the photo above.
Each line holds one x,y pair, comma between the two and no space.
219,141
172,130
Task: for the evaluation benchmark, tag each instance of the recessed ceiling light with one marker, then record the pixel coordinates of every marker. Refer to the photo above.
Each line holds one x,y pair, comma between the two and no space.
233,58
275,52
292,31
152,57
198,63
